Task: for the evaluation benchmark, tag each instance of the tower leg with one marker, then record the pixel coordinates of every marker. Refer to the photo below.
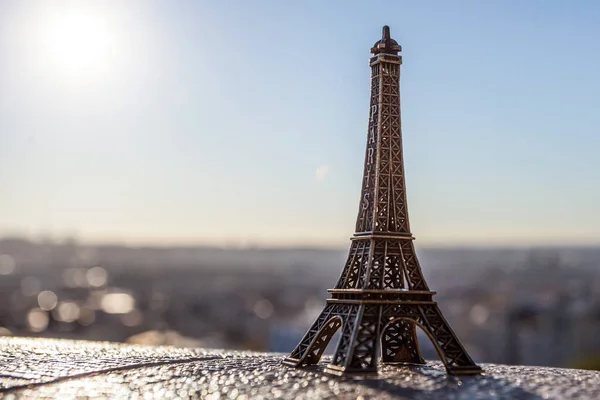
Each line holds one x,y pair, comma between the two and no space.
315,341
453,354
399,343
359,345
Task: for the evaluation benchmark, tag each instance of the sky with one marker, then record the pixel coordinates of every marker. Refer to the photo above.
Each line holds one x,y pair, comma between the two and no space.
244,122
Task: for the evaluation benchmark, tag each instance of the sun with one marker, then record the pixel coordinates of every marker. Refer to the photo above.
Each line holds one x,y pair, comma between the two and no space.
77,43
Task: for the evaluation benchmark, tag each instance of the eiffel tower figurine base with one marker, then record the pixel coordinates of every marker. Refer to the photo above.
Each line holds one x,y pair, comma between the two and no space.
375,322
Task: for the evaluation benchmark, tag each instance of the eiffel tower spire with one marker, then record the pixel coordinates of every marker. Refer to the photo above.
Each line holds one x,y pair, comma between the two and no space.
381,295
386,45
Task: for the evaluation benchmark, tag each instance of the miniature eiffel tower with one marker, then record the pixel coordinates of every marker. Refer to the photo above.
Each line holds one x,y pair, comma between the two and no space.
382,295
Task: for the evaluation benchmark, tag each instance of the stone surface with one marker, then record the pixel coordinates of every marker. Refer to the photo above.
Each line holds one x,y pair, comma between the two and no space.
40,368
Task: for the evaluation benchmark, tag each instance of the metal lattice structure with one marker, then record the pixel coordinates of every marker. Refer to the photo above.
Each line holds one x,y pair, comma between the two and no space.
382,296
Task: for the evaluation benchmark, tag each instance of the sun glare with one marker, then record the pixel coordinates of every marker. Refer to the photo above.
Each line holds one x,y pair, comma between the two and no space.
78,44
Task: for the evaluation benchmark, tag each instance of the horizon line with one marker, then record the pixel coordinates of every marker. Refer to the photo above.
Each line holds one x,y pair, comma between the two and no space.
300,245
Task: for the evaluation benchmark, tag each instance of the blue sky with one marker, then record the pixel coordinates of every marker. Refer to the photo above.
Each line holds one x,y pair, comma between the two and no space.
238,122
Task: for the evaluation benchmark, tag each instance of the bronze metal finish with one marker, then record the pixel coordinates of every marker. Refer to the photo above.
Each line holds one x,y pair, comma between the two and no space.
382,296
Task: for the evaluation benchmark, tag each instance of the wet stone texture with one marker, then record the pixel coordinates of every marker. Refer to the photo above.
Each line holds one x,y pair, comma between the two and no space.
40,368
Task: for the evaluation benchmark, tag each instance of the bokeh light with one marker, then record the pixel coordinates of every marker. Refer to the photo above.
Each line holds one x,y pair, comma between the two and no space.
37,320
132,318
75,277
117,303
87,316
47,300
7,264
96,276
263,308
67,311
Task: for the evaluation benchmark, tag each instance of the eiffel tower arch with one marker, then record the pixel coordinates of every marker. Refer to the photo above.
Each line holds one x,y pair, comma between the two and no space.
399,343
381,296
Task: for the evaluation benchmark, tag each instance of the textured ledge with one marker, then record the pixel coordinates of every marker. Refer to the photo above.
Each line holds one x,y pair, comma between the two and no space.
40,368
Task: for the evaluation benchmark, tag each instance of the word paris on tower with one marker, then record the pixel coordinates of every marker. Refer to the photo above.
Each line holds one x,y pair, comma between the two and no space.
381,296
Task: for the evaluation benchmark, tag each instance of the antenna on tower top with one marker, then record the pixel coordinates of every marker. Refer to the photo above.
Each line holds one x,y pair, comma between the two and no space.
386,45
386,33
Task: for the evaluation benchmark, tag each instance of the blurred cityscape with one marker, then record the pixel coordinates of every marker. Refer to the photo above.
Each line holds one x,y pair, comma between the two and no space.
517,306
